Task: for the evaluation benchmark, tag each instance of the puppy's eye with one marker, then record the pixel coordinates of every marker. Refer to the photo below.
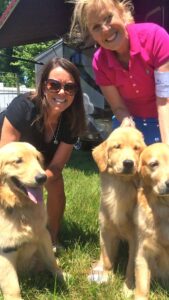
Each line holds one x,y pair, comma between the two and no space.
154,164
19,160
117,146
136,148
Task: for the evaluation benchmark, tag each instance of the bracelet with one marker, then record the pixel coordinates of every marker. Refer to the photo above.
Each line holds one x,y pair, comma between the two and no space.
161,84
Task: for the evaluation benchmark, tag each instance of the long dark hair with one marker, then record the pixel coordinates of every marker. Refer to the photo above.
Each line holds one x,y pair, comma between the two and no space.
75,113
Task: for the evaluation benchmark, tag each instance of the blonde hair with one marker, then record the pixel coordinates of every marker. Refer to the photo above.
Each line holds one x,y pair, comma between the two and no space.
79,29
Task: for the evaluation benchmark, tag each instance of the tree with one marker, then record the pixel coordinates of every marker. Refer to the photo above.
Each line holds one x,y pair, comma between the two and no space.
3,5
28,52
4,63
20,60
12,59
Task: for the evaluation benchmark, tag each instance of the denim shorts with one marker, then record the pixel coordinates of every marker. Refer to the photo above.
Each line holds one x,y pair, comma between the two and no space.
149,127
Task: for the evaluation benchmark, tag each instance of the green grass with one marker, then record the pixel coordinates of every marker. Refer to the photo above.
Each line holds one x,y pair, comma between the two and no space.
80,238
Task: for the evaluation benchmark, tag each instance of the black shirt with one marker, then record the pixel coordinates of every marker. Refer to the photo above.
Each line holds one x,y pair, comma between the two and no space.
21,113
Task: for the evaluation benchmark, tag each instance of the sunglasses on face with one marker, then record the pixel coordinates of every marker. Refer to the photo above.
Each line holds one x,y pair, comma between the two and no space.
54,86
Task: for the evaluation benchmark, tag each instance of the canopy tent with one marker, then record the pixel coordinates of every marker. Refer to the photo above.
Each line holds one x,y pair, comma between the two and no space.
33,21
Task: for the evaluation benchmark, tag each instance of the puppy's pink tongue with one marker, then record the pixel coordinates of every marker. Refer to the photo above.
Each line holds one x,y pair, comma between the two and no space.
35,194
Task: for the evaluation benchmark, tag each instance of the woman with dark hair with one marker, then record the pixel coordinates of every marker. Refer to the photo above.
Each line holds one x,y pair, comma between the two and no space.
51,119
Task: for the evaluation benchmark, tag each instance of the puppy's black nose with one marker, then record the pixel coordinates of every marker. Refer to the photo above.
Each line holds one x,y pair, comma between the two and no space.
128,164
40,178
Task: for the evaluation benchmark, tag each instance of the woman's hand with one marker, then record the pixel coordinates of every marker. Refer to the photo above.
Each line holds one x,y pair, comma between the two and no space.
128,122
117,105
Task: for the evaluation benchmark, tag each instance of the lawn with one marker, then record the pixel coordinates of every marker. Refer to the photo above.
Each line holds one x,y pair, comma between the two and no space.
80,239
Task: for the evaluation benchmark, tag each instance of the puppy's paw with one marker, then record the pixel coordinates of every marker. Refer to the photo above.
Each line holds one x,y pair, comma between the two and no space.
12,297
99,275
62,277
127,292
137,297
67,276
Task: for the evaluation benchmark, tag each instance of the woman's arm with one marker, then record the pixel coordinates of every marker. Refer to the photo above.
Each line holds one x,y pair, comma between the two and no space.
163,109
59,160
117,105
8,133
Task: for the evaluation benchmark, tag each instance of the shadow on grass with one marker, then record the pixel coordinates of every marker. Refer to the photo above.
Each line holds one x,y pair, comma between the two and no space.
42,283
160,287
73,233
83,161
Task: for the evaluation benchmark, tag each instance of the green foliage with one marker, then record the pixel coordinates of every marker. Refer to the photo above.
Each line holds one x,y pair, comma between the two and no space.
11,61
5,60
9,79
28,52
3,5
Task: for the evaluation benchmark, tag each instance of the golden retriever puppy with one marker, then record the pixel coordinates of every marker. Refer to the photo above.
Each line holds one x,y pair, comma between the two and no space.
152,219
23,219
117,159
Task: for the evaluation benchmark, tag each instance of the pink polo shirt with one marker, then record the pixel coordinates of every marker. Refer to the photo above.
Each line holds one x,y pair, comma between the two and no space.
149,48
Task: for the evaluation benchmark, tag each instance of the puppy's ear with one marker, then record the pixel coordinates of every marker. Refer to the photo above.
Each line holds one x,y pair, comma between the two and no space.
2,163
41,159
142,169
99,154
143,145
140,164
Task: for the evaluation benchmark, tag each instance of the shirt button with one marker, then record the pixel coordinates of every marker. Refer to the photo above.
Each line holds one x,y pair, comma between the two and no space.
134,84
131,76
137,91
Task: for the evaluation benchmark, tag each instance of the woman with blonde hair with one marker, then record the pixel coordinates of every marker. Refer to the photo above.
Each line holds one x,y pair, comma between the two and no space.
131,64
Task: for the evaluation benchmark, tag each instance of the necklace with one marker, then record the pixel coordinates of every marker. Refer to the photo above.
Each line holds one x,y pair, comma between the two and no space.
55,135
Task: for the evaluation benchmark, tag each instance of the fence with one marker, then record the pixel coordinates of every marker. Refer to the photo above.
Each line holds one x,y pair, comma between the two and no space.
8,93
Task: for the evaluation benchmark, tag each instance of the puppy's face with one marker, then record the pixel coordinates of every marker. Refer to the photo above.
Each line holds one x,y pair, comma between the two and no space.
119,154
21,169
154,169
